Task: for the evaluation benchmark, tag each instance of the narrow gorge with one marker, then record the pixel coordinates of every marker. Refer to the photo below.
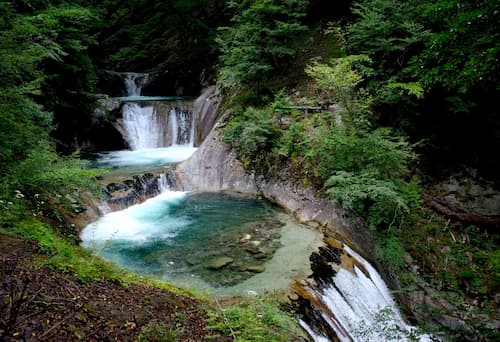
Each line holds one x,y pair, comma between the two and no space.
265,170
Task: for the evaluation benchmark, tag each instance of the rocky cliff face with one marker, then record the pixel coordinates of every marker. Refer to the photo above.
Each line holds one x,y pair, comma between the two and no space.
206,109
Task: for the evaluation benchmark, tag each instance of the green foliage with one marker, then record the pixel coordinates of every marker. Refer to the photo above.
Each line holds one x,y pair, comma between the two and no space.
44,172
388,31
259,40
338,81
458,262
339,78
384,326
494,267
252,132
391,251
175,36
255,320
463,48
378,200
436,66
361,168
379,152
411,88
28,43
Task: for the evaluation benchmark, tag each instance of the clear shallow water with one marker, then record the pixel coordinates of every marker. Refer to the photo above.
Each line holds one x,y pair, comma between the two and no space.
178,236
151,156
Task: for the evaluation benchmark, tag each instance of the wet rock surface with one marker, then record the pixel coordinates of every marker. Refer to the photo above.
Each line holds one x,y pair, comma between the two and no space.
134,190
219,263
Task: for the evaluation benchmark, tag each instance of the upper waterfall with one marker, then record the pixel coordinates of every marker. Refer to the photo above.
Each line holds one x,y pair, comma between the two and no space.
134,82
153,124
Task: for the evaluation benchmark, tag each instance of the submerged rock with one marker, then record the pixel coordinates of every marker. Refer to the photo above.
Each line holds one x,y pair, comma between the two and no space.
260,256
220,262
255,268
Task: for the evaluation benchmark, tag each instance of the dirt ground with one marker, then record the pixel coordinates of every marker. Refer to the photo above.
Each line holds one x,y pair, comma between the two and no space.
40,304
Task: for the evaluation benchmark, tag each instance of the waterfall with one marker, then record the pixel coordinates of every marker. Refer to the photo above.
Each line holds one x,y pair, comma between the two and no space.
182,127
143,126
134,82
152,124
352,305
163,183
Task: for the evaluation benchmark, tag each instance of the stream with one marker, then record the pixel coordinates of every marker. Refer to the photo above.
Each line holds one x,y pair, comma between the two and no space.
229,243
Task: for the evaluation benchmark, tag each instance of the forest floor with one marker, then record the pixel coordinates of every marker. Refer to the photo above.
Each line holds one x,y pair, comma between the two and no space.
38,303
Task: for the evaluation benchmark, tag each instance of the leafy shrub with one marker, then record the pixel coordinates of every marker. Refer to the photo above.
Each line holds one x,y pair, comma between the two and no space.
392,252
378,151
378,200
45,172
255,130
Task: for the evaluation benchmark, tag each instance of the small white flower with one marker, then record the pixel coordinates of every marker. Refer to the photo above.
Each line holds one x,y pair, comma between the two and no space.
252,293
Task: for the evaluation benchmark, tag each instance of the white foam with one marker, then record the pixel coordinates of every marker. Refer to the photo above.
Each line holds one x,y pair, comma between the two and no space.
137,223
150,156
314,336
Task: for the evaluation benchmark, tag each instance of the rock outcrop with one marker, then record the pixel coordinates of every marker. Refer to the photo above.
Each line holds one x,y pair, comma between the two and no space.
206,109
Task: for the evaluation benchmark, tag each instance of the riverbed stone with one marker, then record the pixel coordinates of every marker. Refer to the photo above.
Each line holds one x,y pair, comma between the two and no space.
253,250
260,256
192,261
313,224
255,268
246,238
220,262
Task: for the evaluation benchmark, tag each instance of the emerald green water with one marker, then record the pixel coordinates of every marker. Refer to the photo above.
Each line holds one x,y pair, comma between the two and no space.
179,236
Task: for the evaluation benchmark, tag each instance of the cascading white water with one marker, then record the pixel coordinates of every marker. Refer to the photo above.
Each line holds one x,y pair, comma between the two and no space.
143,126
147,127
182,127
155,132
359,307
134,82
163,184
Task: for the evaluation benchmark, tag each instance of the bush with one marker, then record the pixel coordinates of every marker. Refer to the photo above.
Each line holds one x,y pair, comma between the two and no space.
44,172
255,130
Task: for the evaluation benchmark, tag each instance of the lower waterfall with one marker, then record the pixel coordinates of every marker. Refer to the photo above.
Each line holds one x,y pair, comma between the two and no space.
353,304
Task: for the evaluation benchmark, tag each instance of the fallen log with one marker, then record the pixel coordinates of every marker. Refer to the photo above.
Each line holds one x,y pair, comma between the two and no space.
467,217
